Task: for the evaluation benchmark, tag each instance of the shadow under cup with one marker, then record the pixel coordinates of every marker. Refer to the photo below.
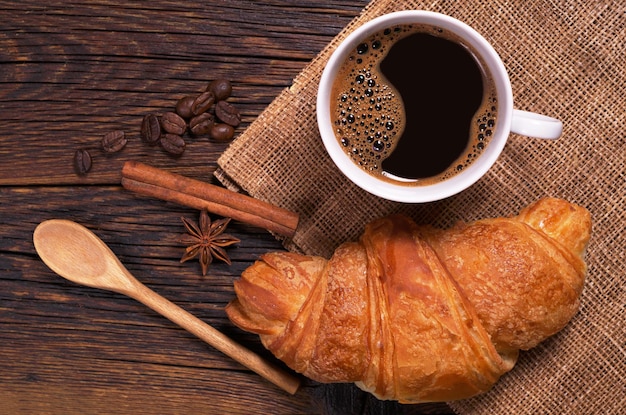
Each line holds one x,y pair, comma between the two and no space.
396,188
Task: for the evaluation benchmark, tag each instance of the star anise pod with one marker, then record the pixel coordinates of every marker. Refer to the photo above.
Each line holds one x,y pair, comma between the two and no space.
207,240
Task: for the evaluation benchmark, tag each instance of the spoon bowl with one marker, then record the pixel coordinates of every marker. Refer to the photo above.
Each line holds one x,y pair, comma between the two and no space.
78,255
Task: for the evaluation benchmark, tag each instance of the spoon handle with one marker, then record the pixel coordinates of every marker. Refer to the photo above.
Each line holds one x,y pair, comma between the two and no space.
214,337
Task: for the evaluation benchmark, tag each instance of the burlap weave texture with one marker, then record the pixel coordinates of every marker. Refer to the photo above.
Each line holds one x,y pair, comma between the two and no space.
566,59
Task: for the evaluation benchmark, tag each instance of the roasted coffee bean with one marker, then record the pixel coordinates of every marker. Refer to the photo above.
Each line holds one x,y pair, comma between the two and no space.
151,129
222,132
221,88
201,124
228,113
82,162
203,102
114,141
173,144
173,123
183,106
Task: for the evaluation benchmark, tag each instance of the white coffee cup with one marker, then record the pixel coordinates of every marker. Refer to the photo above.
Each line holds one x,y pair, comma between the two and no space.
508,119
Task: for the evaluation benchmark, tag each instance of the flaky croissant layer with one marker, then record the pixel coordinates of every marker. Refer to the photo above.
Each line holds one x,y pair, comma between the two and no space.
417,314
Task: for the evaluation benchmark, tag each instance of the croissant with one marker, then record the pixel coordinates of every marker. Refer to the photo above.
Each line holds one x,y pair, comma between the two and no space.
417,314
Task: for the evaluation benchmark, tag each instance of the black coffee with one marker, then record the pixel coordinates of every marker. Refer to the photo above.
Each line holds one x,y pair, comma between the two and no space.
414,102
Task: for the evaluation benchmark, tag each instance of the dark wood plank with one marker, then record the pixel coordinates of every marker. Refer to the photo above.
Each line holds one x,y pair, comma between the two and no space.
70,72
73,73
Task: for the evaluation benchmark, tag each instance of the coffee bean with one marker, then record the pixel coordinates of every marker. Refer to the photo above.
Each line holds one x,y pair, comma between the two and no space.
173,123
196,114
222,132
221,88
183,106
114,141
173,144
151,129
228,113
82,162
201,124
203,102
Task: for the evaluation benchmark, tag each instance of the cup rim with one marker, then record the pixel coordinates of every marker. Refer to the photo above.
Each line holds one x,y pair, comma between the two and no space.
436,191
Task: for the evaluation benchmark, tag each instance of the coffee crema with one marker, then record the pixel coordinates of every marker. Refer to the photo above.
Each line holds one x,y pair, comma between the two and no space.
412,104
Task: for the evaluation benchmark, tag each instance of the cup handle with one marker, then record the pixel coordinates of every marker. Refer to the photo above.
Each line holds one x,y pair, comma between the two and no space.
536,125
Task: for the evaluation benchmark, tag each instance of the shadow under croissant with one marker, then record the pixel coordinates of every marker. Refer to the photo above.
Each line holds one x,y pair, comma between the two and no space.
348,399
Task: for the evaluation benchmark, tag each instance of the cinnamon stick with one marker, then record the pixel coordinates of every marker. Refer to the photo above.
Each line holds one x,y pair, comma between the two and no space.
154,182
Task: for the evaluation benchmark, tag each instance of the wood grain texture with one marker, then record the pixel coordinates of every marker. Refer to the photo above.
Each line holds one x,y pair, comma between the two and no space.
71,72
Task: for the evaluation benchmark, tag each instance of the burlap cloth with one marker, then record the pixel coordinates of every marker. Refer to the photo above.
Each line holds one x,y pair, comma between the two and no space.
566,59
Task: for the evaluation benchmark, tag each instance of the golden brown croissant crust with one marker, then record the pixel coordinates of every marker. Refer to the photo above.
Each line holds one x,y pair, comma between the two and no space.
417,314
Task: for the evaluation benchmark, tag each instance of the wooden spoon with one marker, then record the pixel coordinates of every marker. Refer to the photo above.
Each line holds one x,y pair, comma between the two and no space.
77,254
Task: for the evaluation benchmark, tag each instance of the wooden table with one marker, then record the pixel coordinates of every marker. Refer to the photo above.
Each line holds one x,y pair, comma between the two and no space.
72,72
